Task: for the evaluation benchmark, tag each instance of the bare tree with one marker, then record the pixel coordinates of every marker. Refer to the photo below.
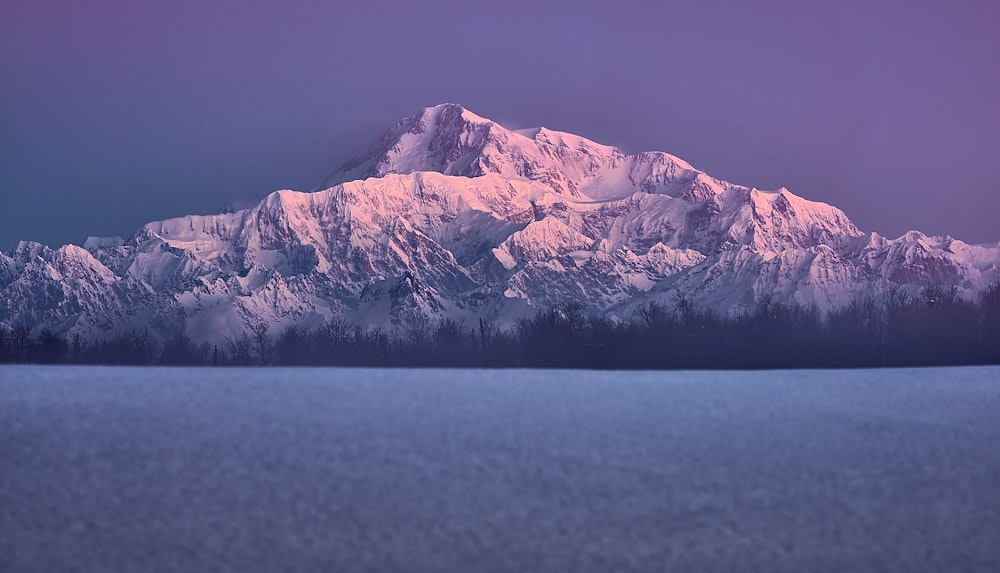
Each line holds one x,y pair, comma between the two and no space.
290,347
51,347
488,330
418,332
139,338
78,346
652,314
241,349
765,308
262,342
337,330
573,312
21,342
5,343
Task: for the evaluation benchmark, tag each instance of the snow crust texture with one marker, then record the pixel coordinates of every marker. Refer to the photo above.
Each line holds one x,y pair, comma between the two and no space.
360,470
452,215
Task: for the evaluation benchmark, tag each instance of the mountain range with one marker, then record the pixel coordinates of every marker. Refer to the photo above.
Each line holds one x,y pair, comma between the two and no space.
451,215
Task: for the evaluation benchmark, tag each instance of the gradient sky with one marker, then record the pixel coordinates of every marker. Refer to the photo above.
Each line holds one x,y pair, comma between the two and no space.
114,113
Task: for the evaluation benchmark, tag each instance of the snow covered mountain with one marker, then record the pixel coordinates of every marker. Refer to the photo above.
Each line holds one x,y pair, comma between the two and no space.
452,215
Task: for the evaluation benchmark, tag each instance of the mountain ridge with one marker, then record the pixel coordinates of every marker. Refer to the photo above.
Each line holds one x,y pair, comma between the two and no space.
451,215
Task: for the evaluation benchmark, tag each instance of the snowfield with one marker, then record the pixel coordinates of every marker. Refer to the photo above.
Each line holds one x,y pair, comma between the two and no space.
158,469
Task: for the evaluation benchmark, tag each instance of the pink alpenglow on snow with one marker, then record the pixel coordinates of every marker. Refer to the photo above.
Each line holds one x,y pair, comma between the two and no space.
451,215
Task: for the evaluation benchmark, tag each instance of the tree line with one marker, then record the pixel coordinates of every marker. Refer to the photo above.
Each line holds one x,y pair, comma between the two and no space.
936,327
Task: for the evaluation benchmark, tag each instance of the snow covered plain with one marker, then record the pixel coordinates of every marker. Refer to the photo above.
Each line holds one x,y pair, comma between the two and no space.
120,469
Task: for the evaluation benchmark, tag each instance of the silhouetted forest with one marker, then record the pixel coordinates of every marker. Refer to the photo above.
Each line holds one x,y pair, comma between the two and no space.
938,327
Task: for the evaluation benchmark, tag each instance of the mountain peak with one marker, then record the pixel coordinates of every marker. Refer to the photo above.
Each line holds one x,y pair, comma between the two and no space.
443,138
449,139
451,110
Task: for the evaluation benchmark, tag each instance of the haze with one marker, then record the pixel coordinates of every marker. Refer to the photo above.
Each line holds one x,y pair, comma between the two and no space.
115,113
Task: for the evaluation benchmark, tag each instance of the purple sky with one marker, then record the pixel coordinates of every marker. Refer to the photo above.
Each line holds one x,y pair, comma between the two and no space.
114,113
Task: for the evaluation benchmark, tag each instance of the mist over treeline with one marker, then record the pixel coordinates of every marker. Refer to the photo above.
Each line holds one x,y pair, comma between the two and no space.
937,327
